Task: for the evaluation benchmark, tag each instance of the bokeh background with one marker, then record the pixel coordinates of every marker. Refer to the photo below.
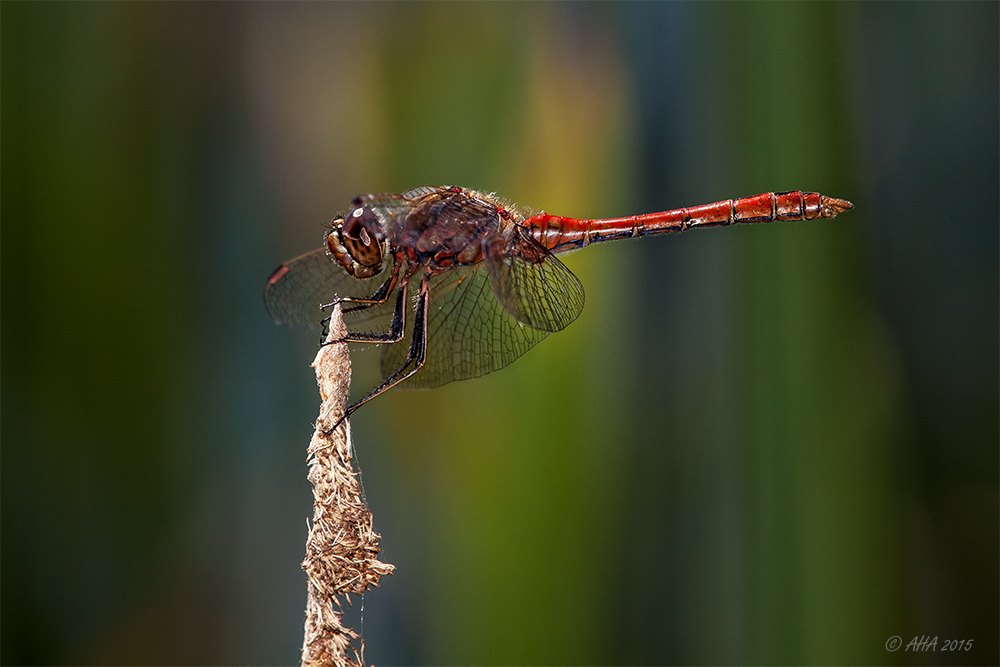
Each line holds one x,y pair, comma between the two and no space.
762,444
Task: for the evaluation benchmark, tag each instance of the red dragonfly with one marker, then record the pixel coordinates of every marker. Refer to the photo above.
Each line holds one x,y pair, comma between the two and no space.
488,285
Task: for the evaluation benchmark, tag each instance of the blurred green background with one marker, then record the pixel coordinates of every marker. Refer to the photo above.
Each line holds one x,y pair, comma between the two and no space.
763,444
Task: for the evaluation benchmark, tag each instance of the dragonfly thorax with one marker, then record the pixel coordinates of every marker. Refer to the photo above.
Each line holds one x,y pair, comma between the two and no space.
357,242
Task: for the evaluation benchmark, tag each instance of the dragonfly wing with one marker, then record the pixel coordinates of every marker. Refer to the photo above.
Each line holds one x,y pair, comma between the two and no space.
531,283
468,332
296,289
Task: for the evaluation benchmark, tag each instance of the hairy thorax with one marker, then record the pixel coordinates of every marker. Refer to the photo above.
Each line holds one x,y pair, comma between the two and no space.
448,227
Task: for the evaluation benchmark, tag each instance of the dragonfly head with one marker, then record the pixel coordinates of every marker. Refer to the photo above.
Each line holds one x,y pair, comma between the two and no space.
358,243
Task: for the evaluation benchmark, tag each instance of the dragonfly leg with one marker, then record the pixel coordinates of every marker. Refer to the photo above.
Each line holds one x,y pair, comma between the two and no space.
380,296
396,326
415,356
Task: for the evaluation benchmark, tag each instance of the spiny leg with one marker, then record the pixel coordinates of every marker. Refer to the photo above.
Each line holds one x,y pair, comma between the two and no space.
416,354
380,296
396,326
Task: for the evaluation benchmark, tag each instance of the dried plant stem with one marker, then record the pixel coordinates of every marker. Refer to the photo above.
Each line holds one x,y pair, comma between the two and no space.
342,548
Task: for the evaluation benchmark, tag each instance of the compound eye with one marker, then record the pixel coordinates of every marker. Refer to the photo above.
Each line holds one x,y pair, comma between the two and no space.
333,239
362,236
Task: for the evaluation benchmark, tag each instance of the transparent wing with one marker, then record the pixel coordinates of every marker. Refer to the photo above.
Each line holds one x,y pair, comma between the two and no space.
391,204
468,332
296,289
531,283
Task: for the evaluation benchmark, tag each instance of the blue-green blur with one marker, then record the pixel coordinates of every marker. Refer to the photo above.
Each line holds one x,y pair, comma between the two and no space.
771,444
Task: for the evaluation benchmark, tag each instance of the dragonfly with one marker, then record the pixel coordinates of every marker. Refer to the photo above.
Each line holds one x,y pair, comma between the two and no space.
470,280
